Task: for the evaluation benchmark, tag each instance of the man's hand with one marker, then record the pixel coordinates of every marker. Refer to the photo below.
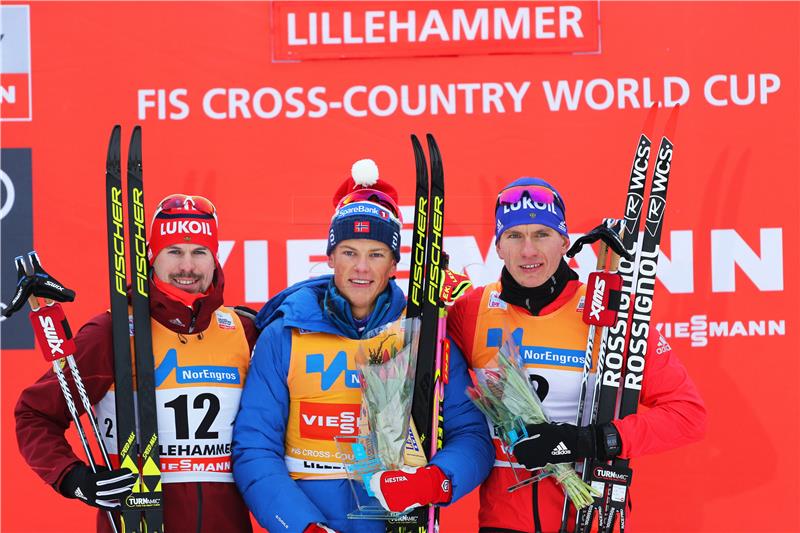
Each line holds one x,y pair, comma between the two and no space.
402,490
565,443
104,489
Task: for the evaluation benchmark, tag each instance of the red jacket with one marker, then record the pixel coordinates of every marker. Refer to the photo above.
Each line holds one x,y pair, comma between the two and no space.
42,417
676,416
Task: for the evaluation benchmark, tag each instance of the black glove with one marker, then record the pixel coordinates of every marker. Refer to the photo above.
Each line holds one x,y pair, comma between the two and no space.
608,232
104,489
565,443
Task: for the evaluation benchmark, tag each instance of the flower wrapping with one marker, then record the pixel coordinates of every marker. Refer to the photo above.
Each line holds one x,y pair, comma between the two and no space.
504,394
388,362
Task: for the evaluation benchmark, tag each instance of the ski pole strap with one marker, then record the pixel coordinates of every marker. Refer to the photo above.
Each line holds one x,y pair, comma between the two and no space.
608,232
53,332
32,280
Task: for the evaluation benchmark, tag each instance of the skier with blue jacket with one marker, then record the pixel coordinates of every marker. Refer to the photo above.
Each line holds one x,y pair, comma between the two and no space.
303,387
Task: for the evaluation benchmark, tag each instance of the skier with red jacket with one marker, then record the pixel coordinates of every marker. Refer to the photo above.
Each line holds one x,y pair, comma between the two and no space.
193,330
540,298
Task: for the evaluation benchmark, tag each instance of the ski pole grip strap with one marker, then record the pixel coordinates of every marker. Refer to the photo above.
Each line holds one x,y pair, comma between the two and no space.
52,330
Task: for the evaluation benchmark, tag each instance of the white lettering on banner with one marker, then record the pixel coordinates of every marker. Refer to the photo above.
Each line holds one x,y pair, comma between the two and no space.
728,250
305,258
631,93
699,328
8,95
378,100
730,85
499,23
622,93
179,108
256,268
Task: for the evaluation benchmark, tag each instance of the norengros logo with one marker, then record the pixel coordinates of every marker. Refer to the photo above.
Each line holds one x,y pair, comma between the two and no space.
195,373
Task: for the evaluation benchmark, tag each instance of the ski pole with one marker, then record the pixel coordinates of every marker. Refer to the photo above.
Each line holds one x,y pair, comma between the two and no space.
55,337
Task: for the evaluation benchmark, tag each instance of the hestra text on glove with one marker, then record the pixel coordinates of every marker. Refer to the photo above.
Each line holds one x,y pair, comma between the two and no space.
402,490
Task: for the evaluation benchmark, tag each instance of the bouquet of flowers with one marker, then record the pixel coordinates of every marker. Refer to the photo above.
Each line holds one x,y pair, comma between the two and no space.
388,362
505,396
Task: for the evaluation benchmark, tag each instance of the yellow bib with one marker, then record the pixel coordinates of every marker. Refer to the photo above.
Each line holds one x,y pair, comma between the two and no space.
552,348
324,401
198,386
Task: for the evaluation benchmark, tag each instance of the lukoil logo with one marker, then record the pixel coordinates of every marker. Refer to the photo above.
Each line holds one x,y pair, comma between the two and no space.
699,328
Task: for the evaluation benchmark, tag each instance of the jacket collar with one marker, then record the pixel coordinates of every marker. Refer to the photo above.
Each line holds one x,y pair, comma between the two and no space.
181,318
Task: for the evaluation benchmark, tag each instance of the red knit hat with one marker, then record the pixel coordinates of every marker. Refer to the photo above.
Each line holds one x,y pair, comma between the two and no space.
183,219
366,208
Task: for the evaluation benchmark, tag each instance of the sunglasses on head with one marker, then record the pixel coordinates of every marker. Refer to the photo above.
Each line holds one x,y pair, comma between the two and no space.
185,201
537,193
370,195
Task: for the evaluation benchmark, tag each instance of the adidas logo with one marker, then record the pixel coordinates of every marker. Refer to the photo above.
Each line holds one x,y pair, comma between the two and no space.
663,346
561,449
79,494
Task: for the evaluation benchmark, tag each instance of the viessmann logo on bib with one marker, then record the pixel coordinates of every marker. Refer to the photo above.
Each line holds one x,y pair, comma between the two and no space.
209,374
323,421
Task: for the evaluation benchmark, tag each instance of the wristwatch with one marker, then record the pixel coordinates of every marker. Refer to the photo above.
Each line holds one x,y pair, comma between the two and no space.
612,443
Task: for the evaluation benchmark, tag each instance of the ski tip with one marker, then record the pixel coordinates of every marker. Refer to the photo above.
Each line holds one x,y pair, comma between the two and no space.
433,150
672,123
432,144
415,141
650,120
135,148
114,143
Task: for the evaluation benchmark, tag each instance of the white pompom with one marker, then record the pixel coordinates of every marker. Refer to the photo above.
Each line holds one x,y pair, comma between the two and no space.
364,172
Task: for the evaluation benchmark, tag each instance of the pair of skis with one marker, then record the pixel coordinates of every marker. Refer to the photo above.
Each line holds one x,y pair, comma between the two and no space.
137,444
424,301
621,358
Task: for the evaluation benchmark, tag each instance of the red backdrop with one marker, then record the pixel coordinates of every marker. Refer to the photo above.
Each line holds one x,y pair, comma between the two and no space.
557,105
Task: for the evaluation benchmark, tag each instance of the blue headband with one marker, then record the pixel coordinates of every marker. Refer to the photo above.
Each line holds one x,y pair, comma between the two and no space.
528,211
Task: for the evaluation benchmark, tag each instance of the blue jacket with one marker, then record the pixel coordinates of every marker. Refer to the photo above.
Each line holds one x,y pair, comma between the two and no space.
280,503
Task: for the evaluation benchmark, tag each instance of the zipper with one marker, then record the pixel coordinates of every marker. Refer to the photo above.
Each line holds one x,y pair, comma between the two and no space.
199,508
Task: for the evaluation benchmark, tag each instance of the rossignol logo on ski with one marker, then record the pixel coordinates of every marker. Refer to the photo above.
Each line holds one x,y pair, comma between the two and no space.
194,374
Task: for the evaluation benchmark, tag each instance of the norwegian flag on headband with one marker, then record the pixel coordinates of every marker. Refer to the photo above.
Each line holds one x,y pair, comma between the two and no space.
361,226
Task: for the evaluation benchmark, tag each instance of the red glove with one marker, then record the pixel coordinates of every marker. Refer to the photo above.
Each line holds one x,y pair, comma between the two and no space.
318,528
407,488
